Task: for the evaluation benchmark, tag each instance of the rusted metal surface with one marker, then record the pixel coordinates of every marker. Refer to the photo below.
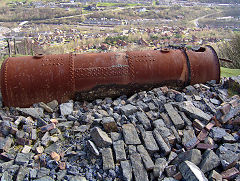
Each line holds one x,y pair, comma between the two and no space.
43,78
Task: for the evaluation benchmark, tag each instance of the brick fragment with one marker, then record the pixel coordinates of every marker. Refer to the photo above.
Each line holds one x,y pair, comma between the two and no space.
230,173
210,125
198,124
55,156
204,146
202,135
62,165
225,109
48,127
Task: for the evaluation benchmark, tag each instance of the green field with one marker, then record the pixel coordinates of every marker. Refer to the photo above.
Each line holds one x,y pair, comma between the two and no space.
226,72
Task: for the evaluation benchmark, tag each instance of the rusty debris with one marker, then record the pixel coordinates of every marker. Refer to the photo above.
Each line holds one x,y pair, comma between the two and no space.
43,78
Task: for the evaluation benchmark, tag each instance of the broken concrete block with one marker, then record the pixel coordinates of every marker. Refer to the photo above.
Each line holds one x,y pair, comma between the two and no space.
119,150
190,171
139,171
147,161
209,161
175,117
100,138
149,141
161,143
130,134
108,162
159,167
126,170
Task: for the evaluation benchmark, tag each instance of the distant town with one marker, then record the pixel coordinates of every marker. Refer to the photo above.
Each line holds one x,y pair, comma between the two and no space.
95,26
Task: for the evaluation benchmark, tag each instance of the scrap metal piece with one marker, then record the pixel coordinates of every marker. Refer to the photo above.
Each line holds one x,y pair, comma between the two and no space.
28,80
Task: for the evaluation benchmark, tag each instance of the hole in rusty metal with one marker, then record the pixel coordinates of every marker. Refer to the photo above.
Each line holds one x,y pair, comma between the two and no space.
165,50
38,56
198,49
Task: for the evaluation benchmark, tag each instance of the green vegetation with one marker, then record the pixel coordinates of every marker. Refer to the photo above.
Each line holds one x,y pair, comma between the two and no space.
217,1
231,50
23,14
227,72
113,40
116,4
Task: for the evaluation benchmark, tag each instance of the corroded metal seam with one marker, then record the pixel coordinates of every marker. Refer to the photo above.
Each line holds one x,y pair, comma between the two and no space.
216,62
188,81
71,71
131,67
4,87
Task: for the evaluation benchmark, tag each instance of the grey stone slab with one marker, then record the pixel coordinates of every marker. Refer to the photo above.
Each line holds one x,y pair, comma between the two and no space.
6,176
165,132
139,171
191,172
119,150
32,173
194,112
13,169
23,158
55,147
147,161
209,161
217,133
158,123
175,117
100,137
214,176
161,143
175,133
23,171
142,117
34,134
169,179
233,112
132,149
43,172
130,134
193,156
116,136
171,170
189,139
33,112
78,178
128,109
210,106
166,119
228,138
185,119
66,108
149,142
172,156
126,170
92,148
53,104
45,178
159,167
107,156
5,144
45,107
229,154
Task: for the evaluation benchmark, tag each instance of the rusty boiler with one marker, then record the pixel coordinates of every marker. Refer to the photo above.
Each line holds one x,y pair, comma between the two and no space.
43,78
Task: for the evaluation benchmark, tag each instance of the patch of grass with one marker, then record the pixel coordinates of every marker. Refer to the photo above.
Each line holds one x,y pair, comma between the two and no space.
227,72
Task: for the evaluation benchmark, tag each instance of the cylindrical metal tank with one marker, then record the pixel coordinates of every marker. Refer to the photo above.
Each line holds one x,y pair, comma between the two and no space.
43,78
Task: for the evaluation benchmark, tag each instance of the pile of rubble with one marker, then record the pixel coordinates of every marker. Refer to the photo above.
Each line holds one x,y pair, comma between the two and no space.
162,134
